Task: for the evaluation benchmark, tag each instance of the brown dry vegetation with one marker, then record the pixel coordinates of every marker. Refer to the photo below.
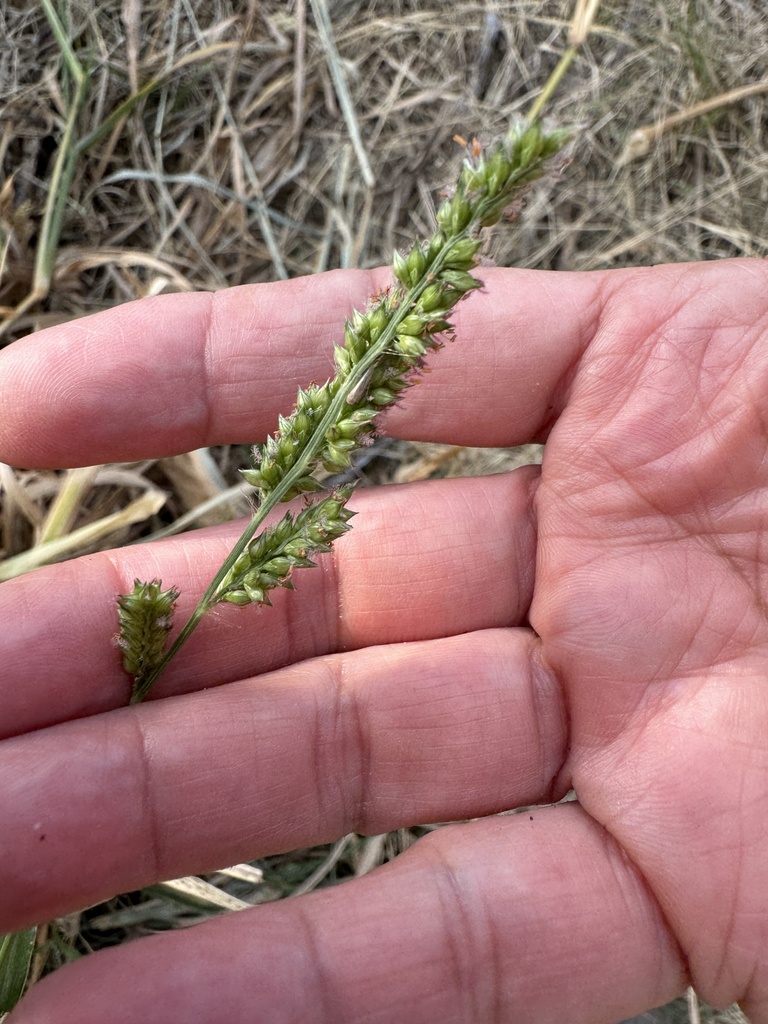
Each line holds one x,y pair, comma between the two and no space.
238,165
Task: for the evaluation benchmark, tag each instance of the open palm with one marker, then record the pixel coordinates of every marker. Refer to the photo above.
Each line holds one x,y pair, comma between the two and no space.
404,683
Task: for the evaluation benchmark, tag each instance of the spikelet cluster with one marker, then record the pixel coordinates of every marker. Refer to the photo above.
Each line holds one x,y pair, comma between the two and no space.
381,356
270,559
383,350
385,346
371,374
145,616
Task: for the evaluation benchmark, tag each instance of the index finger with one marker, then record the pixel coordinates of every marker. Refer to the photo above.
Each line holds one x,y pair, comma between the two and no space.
173,373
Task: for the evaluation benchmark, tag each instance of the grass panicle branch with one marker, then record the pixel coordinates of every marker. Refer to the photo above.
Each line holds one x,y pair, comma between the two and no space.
270,558
382,354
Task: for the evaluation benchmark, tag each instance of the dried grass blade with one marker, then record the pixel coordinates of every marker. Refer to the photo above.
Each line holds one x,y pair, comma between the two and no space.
335,66
197,893
142,508
61,515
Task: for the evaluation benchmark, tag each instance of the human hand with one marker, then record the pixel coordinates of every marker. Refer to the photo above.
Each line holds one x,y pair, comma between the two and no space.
403,683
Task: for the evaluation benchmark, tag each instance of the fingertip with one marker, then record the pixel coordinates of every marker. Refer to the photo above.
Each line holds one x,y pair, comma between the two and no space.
76,394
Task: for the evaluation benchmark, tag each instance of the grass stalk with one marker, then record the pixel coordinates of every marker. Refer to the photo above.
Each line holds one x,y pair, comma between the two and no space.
289,482
578,33
328,43
640,141
61,177
382,348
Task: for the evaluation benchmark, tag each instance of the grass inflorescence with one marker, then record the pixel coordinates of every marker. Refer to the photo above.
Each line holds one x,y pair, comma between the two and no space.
381,356
145,617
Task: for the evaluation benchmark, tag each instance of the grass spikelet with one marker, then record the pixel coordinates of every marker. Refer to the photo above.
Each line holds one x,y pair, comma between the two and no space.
146,616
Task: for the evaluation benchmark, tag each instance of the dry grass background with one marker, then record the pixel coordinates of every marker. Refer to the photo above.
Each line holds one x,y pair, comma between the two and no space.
239,164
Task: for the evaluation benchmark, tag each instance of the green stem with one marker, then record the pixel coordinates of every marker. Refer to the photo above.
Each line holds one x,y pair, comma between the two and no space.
73,64
550,86
122,110
66,159
61,177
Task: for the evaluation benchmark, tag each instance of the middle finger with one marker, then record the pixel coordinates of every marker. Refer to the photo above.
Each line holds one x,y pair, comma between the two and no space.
423,561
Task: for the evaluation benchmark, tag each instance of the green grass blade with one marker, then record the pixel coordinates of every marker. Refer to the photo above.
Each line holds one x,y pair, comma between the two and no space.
16,950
